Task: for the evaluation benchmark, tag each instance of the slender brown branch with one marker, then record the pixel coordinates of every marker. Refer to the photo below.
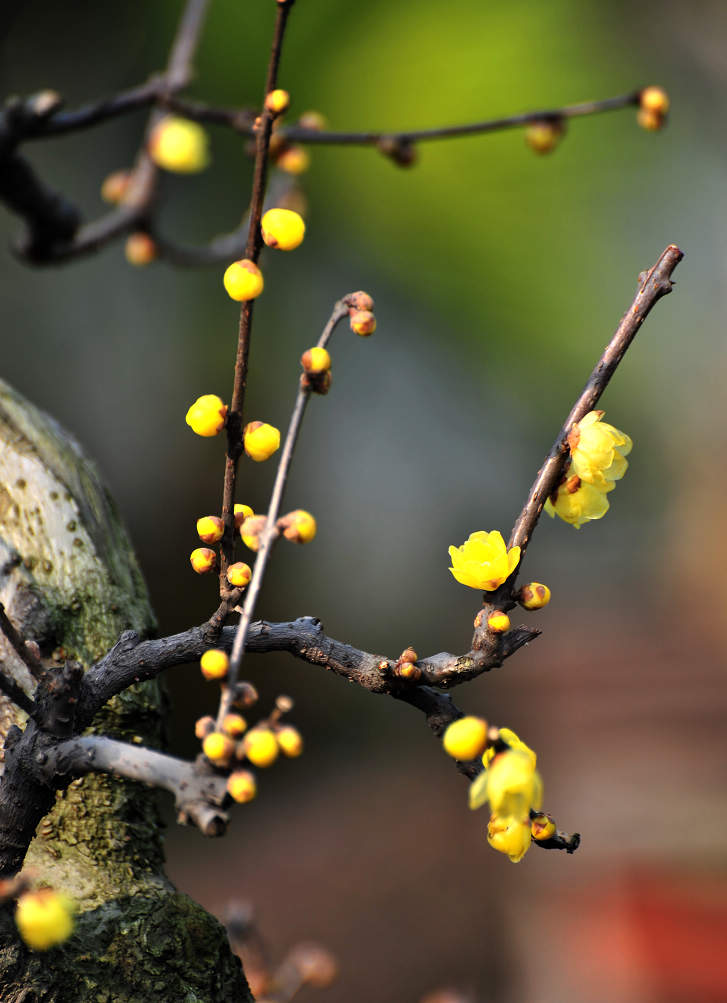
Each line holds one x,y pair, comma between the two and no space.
96,112
16,693
653,284
31,660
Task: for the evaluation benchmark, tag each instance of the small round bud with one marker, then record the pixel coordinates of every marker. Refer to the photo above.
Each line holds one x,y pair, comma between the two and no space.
408,655
260,440
251,529
218,747
316,360
360,301
210,528
242,786
535,595
203,560
401,151
407,670
277,101
312,120
178,145
293,160
243,280
234,725
44,918
543,137
244,695
479,618
383,665
241,513
207,416
204,726
214,664
655,100
315,965
363,322
465,738
239,574
498,622
261,747
140,249
290,741
542,826
115,187
317,384
298,526
283,229
652,121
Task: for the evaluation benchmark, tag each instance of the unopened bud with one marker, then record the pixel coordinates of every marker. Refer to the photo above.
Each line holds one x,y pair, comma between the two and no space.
290,741
244,695
312,120
140,249
359,301
293,160
298,526
242,786
241,513
203,560
654,99
542,826
234,725
239,574
316,966
401,151
408,655
277,101
535,595
210,529
204,726
218,747
407,670
363,322
251,530
543,137
115,187
498,622
316,360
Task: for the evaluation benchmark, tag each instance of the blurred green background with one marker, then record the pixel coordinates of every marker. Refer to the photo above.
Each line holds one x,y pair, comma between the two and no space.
498,276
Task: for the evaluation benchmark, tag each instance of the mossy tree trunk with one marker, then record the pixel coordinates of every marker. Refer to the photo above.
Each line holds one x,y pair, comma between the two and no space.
69,580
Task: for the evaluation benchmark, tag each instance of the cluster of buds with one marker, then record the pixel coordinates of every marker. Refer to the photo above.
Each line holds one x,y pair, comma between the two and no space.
512,785
598,454
653,107
544,135
483,561
290,157
211,529
361,313
406,667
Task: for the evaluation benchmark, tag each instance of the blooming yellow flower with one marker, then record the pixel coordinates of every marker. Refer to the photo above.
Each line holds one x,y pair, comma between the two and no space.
513,784
577,502
44,918
483,561
509,835
598,451
178,145
207,416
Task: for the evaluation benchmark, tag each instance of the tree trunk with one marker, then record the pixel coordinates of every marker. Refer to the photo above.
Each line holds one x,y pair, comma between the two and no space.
69,580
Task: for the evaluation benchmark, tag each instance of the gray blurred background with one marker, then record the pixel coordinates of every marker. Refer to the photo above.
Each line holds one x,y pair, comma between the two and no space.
498,277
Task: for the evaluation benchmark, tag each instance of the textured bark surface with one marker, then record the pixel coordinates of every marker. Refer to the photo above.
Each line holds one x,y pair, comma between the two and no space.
69,580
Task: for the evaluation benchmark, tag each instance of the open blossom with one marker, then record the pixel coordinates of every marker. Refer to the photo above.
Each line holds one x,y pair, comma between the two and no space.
577,502
598,451
483,561
510,835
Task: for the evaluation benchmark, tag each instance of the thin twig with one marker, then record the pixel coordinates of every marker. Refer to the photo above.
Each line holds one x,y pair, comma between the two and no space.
31,660
14,692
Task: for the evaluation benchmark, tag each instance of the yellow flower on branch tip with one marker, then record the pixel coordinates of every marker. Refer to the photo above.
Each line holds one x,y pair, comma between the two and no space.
598,451
207,416
260,440
44,918
283,229
243,280
465,738
577,502
483,561
178,145
510,835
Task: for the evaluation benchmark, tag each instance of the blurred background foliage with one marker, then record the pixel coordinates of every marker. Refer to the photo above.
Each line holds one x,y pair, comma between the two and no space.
498,277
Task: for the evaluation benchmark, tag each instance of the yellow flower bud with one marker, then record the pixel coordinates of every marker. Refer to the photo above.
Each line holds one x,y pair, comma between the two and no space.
207,416
203,560
360,301
140,249
242,786
178,145
535,595
214,664
316,967
509,835
115,187
483,561
465,738
44,918
498,622
261,747
293,160
204,726
408,655
312,120
210,528
243,280
542,826
283,229
277,101
298,526
316,360
542,137
242,512
363,322
218,747
239,574
234,725
652,121
654,100
290,741
408,670
251,530
260,440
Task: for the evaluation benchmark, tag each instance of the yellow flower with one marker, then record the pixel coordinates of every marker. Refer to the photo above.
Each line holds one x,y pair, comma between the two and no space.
483,561
260,440
243,280
207,416
282,228
513,785
508,736
654,99
509,835
577,502
178,145
465,738
44,918
598,451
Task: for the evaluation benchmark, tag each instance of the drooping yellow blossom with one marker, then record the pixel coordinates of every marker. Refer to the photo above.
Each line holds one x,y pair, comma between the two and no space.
283,229
509,835
260,440
483,561
513,784
178,145
465,738
598,451
577,502
243,280
44,918
207,416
